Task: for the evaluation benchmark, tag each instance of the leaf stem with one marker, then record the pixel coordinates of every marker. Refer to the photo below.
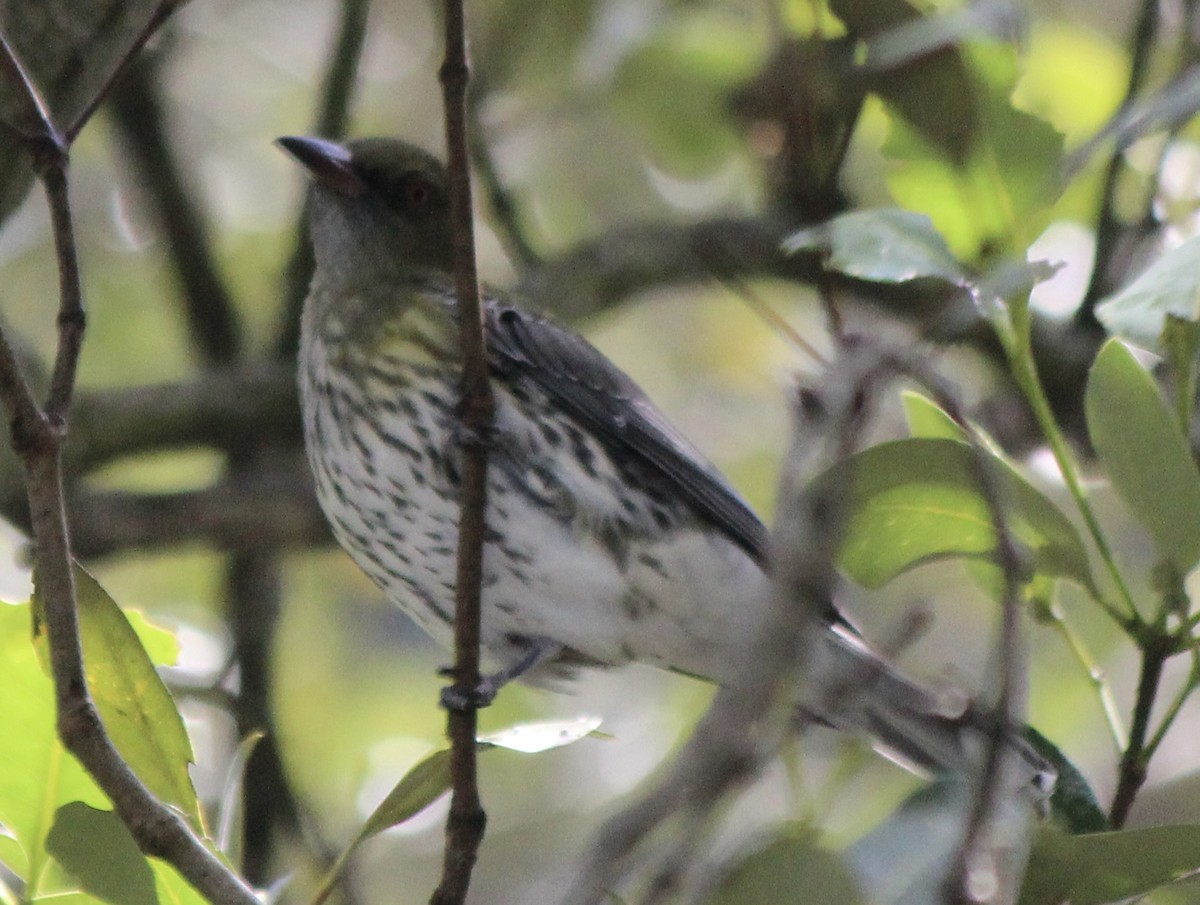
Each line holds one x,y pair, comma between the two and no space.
1014,335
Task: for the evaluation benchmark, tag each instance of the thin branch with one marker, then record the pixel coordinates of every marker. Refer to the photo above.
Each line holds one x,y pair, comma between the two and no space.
333,113
466,822
36,124
137,110
165,9
37,437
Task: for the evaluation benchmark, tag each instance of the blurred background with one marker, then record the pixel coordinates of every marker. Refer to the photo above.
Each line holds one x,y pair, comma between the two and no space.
634,159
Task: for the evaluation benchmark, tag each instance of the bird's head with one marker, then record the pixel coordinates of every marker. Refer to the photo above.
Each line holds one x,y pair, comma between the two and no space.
376,206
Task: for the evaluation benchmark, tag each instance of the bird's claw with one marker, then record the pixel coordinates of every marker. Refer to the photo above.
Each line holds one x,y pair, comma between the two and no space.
458,699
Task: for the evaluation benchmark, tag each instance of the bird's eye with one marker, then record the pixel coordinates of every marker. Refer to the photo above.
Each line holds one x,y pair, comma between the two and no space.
416,191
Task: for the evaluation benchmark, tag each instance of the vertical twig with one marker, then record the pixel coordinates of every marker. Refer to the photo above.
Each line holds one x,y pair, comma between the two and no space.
465,825
37,435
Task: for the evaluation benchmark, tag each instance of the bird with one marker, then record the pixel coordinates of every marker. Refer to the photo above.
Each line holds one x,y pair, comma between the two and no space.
610,538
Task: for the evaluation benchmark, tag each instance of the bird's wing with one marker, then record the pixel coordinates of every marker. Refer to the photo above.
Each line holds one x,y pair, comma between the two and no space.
613,408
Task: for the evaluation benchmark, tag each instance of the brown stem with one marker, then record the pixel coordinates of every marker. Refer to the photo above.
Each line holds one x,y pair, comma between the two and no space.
37,437
153,24
1132,771
465,825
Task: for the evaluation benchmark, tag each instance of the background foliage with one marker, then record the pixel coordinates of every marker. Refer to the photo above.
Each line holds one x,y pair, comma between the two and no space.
639,164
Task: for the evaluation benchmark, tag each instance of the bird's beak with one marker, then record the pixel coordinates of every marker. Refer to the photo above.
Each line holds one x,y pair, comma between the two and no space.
329,162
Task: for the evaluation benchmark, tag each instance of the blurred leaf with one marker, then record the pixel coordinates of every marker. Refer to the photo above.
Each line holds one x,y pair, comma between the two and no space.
907,859
884,245
1170,285
231,820
931,88
867,17
1181,344
1097,868
790,863
1144,453
1072,75
1073,804
97,849
12,856
138,712
38,775
913,501
675,88
533,738
1000,197
417,789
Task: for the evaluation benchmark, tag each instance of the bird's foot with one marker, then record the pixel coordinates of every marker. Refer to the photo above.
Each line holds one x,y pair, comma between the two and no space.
533,651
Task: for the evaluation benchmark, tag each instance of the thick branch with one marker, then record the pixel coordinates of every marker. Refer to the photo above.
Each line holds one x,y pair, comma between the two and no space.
137,111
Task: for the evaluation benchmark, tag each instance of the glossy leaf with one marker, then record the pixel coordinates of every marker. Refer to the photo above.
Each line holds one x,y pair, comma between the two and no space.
885,246
97,850
1144,453
1107,867
913,501
1170,285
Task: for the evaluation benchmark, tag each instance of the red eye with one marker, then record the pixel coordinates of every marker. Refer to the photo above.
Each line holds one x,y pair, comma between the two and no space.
416,192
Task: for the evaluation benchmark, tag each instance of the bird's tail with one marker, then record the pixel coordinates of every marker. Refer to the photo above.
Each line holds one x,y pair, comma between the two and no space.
859,692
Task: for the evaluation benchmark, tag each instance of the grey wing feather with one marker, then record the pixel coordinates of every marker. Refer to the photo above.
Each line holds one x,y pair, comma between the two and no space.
614,408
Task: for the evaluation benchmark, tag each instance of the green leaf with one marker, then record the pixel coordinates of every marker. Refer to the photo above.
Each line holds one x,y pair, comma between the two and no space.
884,246
38,775
926,419
138,712
417,789
792,861
913,501
1181,344
1107,867
675,87
173,889
1144,453
98,851
1170,285
1000,197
